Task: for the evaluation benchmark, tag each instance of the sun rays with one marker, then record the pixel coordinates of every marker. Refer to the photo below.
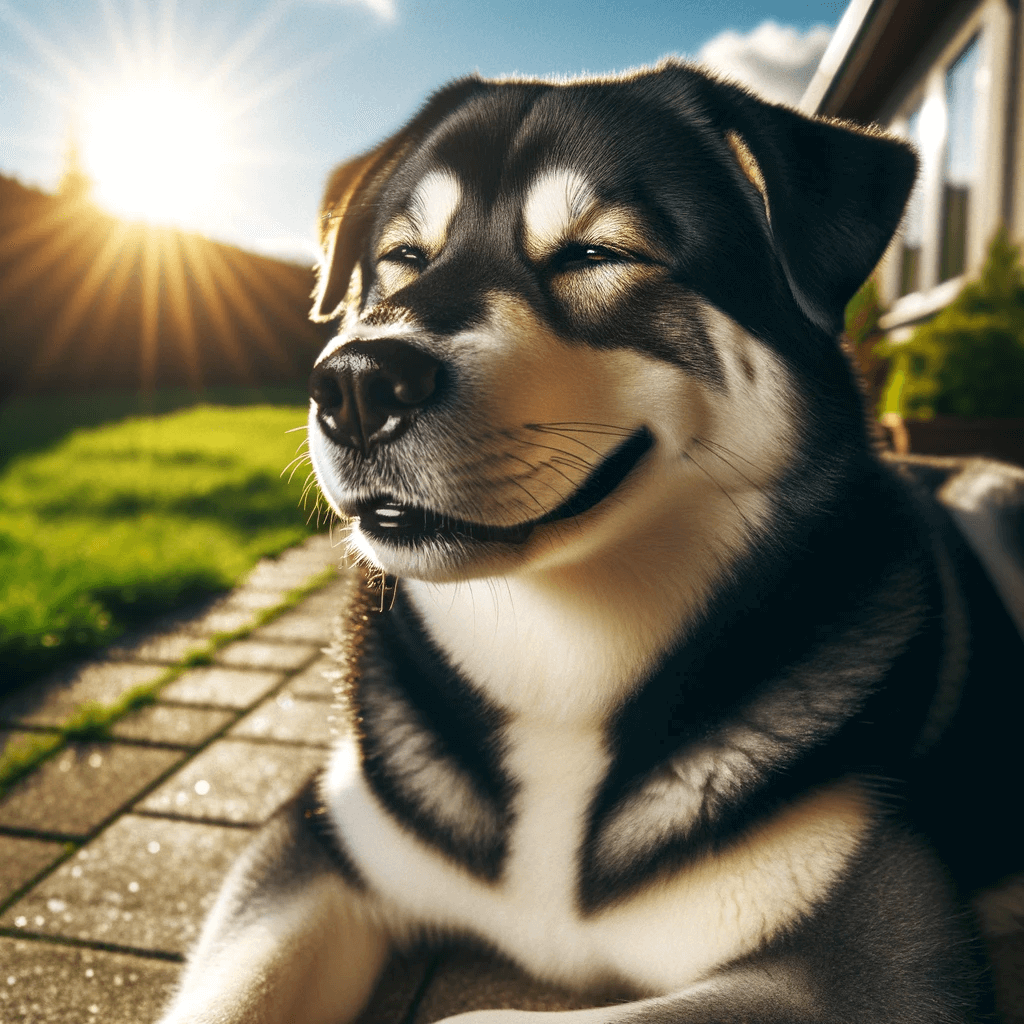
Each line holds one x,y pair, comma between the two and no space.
157,133
112,303
164,106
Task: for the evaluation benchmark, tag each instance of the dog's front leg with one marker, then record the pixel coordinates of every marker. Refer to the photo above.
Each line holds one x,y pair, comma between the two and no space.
289,938
778,993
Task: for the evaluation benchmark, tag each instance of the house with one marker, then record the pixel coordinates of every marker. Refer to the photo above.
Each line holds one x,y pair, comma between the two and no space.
946,75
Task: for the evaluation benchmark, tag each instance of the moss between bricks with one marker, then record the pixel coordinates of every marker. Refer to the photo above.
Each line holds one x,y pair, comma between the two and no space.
93,720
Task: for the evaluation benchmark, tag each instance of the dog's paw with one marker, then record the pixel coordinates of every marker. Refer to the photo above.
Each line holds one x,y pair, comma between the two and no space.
594,1016
495,1017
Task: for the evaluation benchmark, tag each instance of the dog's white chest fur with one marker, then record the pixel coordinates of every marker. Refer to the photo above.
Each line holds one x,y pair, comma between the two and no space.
665,934
530,912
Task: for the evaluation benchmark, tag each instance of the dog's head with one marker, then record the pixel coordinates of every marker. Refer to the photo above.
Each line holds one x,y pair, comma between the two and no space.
568,309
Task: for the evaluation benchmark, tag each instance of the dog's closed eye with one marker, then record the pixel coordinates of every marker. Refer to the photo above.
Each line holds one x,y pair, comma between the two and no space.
577,256
408,256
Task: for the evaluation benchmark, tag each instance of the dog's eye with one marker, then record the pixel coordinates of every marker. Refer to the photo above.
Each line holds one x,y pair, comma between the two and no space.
576,255
407,255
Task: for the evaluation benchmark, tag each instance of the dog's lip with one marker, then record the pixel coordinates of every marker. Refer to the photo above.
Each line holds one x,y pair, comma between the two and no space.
385,519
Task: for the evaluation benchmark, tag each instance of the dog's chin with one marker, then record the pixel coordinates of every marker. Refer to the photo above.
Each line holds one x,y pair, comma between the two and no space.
420,543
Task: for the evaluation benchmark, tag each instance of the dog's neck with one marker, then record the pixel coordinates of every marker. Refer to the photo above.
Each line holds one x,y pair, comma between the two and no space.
569,643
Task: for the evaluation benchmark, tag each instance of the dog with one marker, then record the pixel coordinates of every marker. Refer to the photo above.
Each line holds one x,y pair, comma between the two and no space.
655,677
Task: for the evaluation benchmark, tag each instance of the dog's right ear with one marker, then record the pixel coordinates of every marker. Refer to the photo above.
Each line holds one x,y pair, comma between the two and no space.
349,203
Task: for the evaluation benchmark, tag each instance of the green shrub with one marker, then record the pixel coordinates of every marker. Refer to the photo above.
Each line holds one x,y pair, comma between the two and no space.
863,312
968,360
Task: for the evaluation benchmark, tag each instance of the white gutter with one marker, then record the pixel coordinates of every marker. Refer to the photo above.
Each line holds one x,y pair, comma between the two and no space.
834,57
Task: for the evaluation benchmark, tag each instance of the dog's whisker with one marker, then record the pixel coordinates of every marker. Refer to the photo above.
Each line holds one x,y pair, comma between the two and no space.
581,427
557,433
295,465
728,451
308,486
718,484
737,471
561,451
535,468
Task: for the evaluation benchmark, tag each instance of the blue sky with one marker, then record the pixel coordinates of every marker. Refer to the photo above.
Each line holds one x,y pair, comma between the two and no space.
298,85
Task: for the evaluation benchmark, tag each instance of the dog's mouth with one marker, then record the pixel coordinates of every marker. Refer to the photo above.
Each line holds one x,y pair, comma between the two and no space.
381,518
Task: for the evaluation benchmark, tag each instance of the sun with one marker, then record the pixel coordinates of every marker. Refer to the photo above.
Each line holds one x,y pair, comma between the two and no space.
172,114
155,149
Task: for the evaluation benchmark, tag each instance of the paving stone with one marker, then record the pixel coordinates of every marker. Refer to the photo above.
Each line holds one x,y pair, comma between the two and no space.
467,980
225,620
252,599
327,602
235,781
265,654
392,999
167,723
320,549
221,687
76,790
22,859
18,737
239,609
41,983
289,720
316,681
269,575
144,883
167,648
53,700
298,626
313,558
321,543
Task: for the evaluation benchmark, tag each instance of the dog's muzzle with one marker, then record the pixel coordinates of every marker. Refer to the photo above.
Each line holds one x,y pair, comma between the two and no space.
406,525
369,392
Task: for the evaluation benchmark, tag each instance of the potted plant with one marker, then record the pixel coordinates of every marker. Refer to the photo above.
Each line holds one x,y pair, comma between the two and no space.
958,382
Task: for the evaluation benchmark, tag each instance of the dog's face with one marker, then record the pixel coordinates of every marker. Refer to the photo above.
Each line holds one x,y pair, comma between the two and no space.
569,312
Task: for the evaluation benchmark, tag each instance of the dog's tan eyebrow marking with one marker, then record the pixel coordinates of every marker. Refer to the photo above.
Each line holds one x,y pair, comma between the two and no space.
429,215
750,167
561,207
619,227
558,199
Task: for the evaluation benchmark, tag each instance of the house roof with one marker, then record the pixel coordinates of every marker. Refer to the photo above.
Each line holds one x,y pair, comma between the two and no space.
873,46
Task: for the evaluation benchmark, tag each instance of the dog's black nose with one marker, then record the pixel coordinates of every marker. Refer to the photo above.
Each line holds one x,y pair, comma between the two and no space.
368,392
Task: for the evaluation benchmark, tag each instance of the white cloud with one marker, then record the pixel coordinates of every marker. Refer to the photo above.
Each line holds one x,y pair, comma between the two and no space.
384,9
774,60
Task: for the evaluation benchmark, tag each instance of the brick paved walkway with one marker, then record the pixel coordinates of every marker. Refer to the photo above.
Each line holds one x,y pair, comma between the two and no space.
112,851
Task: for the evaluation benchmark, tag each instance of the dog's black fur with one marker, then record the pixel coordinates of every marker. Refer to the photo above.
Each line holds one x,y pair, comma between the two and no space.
845,675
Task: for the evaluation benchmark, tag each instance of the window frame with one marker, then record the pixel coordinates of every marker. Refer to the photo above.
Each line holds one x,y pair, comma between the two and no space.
992,22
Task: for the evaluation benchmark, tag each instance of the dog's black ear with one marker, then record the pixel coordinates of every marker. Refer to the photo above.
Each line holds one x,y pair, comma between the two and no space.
347,210
834,193
338,211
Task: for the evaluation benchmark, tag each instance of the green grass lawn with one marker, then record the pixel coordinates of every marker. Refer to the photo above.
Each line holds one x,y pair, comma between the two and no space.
112,524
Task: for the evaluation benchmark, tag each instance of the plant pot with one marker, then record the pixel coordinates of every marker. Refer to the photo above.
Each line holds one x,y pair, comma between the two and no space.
996,437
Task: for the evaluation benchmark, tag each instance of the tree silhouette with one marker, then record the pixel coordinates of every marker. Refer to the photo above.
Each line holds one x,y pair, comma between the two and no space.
75,184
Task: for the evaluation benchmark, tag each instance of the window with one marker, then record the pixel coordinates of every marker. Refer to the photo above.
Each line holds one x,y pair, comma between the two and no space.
913,222
958,177
953,107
